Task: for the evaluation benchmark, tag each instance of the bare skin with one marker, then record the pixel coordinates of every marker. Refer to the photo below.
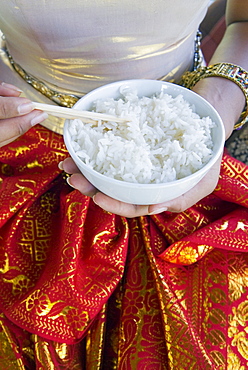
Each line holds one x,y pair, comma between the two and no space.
224,95
17,115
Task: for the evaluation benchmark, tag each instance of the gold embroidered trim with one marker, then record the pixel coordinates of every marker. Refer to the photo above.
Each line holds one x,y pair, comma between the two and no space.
65,100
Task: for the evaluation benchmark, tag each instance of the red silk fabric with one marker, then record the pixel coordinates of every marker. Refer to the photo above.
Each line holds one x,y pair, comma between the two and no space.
62,259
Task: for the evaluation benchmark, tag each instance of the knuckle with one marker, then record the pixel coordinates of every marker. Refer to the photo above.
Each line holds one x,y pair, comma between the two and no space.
20,125
179,206
3,108
20,128
178,209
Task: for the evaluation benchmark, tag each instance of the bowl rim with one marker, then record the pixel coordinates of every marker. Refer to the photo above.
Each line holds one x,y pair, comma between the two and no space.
192,176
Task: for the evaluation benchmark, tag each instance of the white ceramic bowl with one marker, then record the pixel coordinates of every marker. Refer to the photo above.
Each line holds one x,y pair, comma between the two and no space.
147,193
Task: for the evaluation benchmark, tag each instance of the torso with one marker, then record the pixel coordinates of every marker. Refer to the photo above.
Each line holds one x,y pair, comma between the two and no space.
80,45
75,46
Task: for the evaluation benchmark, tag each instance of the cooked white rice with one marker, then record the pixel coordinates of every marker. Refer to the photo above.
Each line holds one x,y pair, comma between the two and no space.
164,141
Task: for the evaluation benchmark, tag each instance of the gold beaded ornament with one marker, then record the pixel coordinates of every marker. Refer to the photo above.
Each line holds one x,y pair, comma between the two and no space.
227,70
230,71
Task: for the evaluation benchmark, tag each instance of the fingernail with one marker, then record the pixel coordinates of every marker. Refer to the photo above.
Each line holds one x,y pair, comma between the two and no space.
38,119
157,211
25,108
94,200
60,165
11,87
68,182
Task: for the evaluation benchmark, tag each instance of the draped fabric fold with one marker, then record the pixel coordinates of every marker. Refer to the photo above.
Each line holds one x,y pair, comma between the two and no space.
85,289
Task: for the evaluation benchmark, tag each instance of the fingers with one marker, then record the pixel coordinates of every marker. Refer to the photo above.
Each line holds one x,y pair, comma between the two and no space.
180,204
17,114
69,166
119,208
9,90
11,105
80,183
77,180
12,128
14,106
205,187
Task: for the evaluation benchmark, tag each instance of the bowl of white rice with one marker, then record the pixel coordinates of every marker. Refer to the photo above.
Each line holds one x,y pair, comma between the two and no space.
171,139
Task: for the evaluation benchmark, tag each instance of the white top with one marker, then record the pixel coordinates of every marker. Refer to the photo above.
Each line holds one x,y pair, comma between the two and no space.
78,45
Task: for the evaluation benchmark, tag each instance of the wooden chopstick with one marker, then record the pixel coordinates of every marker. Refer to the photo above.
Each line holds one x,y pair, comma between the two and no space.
87,116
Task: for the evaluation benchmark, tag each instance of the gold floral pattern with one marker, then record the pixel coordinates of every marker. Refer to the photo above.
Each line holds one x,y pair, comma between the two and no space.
134,304
238,328
76,319
21,286
188,256
174,285
40,303
49,201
